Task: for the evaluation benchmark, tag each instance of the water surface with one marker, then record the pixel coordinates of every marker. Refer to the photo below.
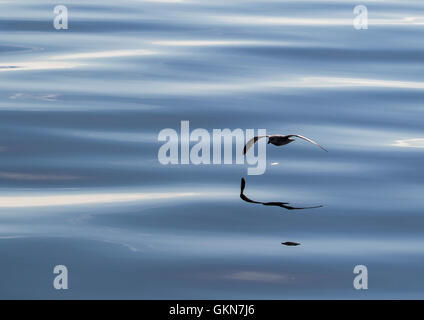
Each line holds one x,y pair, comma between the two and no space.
81,185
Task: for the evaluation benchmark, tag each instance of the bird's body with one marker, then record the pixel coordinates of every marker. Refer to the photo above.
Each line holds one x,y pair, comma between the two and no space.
278,140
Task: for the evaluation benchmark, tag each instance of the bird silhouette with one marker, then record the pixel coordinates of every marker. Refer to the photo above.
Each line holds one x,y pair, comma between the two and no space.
278,140
284,205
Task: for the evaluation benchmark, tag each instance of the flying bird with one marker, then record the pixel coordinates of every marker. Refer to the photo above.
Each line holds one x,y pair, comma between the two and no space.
274,204
278,140
290,243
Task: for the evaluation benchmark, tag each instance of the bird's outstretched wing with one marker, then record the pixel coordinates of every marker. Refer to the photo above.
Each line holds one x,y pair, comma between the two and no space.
242,185
307,139
286,206
251,142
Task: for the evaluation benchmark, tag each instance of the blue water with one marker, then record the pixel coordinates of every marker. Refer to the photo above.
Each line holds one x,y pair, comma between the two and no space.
81,184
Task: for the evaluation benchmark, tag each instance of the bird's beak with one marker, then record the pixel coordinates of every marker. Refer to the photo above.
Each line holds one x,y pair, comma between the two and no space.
269,142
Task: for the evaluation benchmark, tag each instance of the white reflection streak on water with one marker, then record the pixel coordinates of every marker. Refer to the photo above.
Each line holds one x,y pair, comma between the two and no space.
78,199
409,143
300,21
56,64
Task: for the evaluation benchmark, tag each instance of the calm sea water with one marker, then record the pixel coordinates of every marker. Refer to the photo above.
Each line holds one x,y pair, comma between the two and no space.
81,185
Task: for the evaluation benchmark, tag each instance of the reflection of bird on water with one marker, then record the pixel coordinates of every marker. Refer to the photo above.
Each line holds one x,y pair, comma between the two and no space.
278,140
275,204
290,243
